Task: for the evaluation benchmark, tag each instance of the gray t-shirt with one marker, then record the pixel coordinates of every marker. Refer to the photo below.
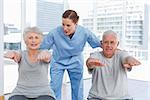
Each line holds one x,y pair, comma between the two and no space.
110,81
33,78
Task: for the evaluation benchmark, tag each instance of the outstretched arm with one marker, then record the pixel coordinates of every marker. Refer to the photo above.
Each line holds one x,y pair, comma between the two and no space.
93,62
16,56
44,56
129,61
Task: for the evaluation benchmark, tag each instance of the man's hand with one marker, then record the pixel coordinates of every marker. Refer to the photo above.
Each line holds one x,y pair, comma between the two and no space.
93,62
130,61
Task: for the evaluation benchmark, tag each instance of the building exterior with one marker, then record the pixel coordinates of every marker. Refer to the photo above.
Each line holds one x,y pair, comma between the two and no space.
126,17
48,14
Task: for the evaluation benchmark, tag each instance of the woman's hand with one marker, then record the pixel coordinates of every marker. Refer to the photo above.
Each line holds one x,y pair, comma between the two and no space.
44,55
16,56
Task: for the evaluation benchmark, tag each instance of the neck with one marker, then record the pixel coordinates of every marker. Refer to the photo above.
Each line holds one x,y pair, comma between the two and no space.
33,52
108,55
71,35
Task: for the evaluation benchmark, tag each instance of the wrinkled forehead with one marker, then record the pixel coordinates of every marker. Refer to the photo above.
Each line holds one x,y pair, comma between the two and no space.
32,34
29,34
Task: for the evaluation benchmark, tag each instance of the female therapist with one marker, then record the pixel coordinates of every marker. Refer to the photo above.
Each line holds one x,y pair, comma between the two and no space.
67,42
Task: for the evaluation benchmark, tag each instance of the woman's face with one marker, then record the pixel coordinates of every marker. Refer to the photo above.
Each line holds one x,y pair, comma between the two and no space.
33,41
69,26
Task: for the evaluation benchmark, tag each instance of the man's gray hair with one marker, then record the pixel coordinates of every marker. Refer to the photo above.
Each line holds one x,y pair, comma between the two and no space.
110,32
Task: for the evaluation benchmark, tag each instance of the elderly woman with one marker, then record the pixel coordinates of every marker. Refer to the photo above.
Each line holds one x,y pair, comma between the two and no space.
108,68
33,83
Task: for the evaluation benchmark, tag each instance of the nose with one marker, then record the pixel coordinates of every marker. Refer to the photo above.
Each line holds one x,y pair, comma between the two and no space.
33,40
109,44
65,28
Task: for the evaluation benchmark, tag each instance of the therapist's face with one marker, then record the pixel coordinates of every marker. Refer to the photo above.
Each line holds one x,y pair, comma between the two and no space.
69,26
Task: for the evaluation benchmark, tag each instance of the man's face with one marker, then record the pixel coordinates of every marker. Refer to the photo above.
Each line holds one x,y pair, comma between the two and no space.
109,45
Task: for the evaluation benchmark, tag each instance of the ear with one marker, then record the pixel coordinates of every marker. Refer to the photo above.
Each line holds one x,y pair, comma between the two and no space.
101,42
118,43
76,23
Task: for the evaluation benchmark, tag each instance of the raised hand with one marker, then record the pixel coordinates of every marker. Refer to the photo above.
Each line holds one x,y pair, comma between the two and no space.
93,62
130,61
16,56
44,55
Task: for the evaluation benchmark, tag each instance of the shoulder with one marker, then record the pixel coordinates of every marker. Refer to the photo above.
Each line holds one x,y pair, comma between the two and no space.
81,28
96,54
56,30
19,52
23,53
122,53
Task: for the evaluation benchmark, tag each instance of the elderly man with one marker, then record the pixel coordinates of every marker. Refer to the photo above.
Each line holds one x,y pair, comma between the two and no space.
108,68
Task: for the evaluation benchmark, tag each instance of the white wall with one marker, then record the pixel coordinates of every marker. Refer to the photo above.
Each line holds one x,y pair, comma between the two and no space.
1,49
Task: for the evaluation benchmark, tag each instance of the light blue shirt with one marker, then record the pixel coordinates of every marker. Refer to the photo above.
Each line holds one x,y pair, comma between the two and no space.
65,50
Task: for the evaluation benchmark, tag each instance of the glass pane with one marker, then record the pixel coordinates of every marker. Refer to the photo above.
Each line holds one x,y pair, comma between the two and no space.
12,25
12,41
129,18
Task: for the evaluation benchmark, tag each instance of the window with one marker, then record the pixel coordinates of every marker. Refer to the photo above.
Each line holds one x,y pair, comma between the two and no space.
47,14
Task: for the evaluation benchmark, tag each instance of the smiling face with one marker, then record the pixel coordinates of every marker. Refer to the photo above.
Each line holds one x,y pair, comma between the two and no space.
33,40
69,26
109,45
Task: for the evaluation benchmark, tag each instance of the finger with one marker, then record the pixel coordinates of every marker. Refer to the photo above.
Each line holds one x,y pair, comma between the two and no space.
100,64
131,64
97,64
137,63
39,57
15,59
126,65
6,55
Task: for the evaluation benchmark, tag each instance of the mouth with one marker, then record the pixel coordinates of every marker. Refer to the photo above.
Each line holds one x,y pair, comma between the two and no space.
34,45
108,50
66,33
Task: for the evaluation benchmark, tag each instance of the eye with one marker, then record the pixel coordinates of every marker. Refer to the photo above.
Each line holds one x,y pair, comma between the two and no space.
63,24
68,25
30,37
112,42
36,37
105,42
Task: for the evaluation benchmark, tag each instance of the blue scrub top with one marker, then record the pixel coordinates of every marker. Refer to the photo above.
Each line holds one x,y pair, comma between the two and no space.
67,51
